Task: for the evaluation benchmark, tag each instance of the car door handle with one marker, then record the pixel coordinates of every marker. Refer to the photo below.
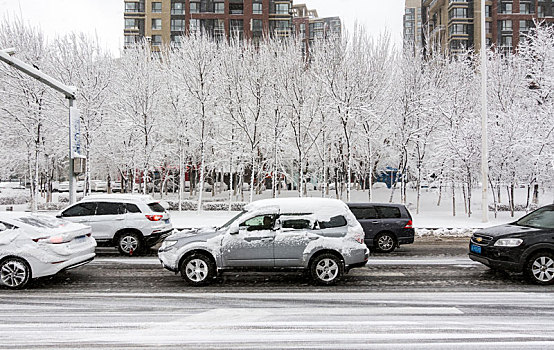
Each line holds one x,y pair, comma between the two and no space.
313,238
375,222
267,239
250,239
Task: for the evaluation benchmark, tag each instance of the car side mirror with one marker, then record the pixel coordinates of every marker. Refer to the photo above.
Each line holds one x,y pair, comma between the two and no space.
234,231
59,216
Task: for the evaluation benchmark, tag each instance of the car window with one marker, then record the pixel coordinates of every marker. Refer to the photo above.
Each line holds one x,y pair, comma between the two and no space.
389,212
107,208
228,223
156,207
131,208
258,223
81,209
364,213
335,221
296,224
4,226
540,218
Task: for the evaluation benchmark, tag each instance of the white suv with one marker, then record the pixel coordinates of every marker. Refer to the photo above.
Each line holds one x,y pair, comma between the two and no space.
129,222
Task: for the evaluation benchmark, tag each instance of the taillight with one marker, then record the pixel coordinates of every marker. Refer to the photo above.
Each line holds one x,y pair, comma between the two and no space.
88,234
51,240
154,217
409,224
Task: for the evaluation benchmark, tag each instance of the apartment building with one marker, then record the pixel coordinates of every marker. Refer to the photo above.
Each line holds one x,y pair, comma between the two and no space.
309,26
454,25
166,21
412,29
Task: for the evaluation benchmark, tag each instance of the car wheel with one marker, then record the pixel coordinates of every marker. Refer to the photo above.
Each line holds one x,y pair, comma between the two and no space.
540,268
326,269
15,273
385,243
198,270
129,243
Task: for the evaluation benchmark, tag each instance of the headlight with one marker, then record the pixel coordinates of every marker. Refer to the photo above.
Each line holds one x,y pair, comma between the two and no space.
167,244
508,242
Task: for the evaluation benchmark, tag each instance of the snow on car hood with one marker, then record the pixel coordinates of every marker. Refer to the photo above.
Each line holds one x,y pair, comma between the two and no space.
203,233
508,229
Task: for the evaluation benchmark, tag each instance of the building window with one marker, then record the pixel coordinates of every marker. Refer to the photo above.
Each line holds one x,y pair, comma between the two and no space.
506,41
488,27
458,13
176,40
488,11
177,25
540,11
237,28
505,8
526,8
134,7
303,30
156,40
219,7
131,23
194,25
524,25
458,29
178,8
257,28
156,7
506,25
257,8
282,9
194,7
236,8
156,23
219,28
130,40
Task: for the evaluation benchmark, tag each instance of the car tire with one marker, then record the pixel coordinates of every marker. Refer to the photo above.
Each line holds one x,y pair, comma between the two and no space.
129,243
197,270
15,273
540,268
326,269
384,242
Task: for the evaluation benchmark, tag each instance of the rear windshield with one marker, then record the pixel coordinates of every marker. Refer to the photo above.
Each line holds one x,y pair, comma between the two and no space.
42,222
335,221
156,207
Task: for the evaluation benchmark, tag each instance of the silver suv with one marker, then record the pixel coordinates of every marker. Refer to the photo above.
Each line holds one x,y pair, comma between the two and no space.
320,236
129,222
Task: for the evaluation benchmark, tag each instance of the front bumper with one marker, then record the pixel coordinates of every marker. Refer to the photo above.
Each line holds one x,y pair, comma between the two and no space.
168,260
497,264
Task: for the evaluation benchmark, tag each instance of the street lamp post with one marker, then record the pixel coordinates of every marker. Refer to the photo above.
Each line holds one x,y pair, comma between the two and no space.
484,131
69,92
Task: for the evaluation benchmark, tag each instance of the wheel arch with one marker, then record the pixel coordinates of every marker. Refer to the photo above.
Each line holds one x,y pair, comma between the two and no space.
12,256
533,250
116,236
205,252
325,251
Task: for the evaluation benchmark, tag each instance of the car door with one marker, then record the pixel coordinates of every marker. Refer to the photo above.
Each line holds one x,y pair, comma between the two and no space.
252,245
291,240
371,223
80,212
109,219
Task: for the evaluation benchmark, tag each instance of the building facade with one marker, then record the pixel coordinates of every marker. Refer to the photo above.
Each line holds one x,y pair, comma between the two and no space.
166,21
455,25
412,29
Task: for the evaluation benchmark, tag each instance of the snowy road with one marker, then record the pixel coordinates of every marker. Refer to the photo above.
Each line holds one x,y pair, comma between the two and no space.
323,320
425,296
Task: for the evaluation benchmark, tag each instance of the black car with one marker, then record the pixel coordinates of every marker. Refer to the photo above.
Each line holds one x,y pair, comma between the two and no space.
386,226
526,245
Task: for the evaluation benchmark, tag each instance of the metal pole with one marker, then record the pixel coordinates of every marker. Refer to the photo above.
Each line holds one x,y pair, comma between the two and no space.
71,179
484,131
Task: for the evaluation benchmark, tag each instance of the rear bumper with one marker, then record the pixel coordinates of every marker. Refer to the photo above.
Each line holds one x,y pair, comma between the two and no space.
157,237
359,259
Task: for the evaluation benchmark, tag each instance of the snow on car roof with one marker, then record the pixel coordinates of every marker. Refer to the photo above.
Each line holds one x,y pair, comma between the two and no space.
119,197
300,205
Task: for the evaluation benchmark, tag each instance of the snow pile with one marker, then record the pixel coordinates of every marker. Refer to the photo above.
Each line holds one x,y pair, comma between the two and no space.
445,232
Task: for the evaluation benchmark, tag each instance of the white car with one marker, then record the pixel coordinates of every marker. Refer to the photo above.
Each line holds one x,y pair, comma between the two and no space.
33,246
126,221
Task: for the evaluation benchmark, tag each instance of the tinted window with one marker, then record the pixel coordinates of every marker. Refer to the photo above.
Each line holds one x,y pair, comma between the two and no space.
6,226
364,213
82,209
335,221
107,208
156,207
389,212
131,208
541,218
258,223
297,224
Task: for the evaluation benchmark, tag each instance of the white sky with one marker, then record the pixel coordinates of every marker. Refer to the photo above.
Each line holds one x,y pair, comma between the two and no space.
105,17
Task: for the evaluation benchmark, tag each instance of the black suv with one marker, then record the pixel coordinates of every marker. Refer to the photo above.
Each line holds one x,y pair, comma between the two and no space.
386,226
526,245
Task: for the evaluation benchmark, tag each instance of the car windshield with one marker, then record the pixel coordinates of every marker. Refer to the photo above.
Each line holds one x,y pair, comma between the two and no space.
228,223
541,218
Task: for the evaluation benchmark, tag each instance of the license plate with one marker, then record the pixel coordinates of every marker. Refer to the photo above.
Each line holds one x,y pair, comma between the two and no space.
166,221
80,239
475,248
